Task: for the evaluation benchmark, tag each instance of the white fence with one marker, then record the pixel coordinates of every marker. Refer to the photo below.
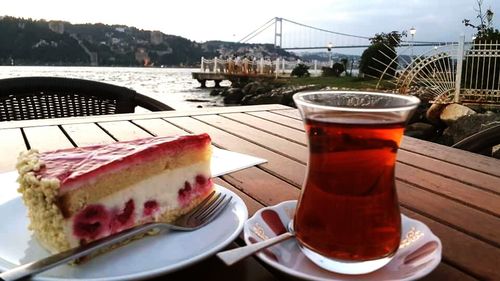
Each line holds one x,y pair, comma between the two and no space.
466,72
278,67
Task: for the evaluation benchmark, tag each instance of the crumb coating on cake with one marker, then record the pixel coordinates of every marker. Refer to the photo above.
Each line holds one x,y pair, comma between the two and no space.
40,195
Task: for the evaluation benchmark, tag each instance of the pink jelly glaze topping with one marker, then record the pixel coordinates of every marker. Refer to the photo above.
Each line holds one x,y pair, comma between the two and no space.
77,165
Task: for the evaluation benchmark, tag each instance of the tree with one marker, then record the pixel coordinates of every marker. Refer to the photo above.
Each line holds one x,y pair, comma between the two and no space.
301,70
381,55
391,39
481,73
485,29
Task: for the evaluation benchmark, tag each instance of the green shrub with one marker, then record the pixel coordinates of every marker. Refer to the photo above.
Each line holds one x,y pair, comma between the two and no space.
301,70
335,70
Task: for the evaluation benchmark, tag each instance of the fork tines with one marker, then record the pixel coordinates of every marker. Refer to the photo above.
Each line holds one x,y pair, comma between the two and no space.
209,208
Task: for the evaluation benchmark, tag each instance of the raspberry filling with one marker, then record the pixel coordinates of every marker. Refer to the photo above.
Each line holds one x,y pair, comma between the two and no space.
92,222
96,221
190,191
150,207
123,219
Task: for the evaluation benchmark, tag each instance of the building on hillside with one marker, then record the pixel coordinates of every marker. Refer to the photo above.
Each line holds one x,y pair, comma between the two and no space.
156,37
56,26
141,56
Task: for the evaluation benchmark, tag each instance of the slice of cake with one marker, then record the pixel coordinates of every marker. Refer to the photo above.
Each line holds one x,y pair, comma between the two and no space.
78,195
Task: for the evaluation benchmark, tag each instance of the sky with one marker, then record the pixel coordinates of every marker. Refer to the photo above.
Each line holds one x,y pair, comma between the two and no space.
231,20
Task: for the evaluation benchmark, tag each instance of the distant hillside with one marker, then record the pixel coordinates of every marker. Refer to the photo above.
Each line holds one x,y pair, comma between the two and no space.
40,42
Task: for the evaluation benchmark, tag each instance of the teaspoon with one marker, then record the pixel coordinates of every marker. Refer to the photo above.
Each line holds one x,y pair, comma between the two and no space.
233,256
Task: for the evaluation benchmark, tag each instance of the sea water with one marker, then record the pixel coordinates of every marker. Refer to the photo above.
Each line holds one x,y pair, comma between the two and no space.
172,86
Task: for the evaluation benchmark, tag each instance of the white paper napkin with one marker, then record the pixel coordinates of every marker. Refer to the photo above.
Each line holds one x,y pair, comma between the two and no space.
225,161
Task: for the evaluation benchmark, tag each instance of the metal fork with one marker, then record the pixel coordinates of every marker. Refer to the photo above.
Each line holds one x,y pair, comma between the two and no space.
200,216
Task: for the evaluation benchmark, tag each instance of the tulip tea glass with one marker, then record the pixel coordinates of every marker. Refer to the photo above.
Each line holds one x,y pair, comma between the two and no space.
347,218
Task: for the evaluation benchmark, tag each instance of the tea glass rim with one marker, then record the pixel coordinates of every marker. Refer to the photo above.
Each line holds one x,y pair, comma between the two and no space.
412,101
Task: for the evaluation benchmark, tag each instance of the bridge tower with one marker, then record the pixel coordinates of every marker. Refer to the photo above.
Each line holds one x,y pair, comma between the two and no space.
278,28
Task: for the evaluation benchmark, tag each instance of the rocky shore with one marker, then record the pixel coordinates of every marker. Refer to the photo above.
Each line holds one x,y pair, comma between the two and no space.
441,123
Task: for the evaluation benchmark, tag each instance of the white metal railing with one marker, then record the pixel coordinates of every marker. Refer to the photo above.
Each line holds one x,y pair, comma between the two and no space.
464,72
260,66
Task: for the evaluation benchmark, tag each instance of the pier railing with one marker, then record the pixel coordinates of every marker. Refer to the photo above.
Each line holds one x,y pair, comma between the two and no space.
258,66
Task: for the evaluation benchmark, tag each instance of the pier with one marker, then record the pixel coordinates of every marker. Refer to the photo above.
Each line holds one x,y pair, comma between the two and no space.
243,70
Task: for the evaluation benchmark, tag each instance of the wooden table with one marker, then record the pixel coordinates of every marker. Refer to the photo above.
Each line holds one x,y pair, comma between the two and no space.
456,193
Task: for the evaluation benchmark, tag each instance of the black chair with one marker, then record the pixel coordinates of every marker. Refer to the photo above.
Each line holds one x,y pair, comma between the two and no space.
481,142
25,98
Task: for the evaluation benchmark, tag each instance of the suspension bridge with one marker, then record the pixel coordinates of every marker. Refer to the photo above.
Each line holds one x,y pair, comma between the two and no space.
291,35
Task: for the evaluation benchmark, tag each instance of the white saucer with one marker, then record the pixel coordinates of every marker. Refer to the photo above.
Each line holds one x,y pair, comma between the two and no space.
418,254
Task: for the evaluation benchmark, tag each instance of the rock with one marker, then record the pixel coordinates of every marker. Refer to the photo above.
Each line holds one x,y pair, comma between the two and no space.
233,96
496,152
420,113
468,125
452,112
259,93
216,92
251,88
267,98
433,113
421,130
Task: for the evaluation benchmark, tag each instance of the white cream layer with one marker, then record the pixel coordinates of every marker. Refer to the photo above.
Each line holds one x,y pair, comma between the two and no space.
163,188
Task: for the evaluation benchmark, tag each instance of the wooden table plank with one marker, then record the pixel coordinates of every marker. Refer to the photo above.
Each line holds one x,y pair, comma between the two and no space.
280,119
263,187
447,272
472,161
124,130
461,250
87,134
293,113
277,144
268,126
159,127
463,193
137,116
466,219
12,145
46,138
252,205
277,164
452,171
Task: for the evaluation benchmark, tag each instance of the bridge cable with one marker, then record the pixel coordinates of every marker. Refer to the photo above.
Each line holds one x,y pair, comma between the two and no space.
246,39
324,30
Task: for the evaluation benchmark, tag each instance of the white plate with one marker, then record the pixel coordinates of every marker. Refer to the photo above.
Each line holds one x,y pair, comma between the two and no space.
418,254
144,258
